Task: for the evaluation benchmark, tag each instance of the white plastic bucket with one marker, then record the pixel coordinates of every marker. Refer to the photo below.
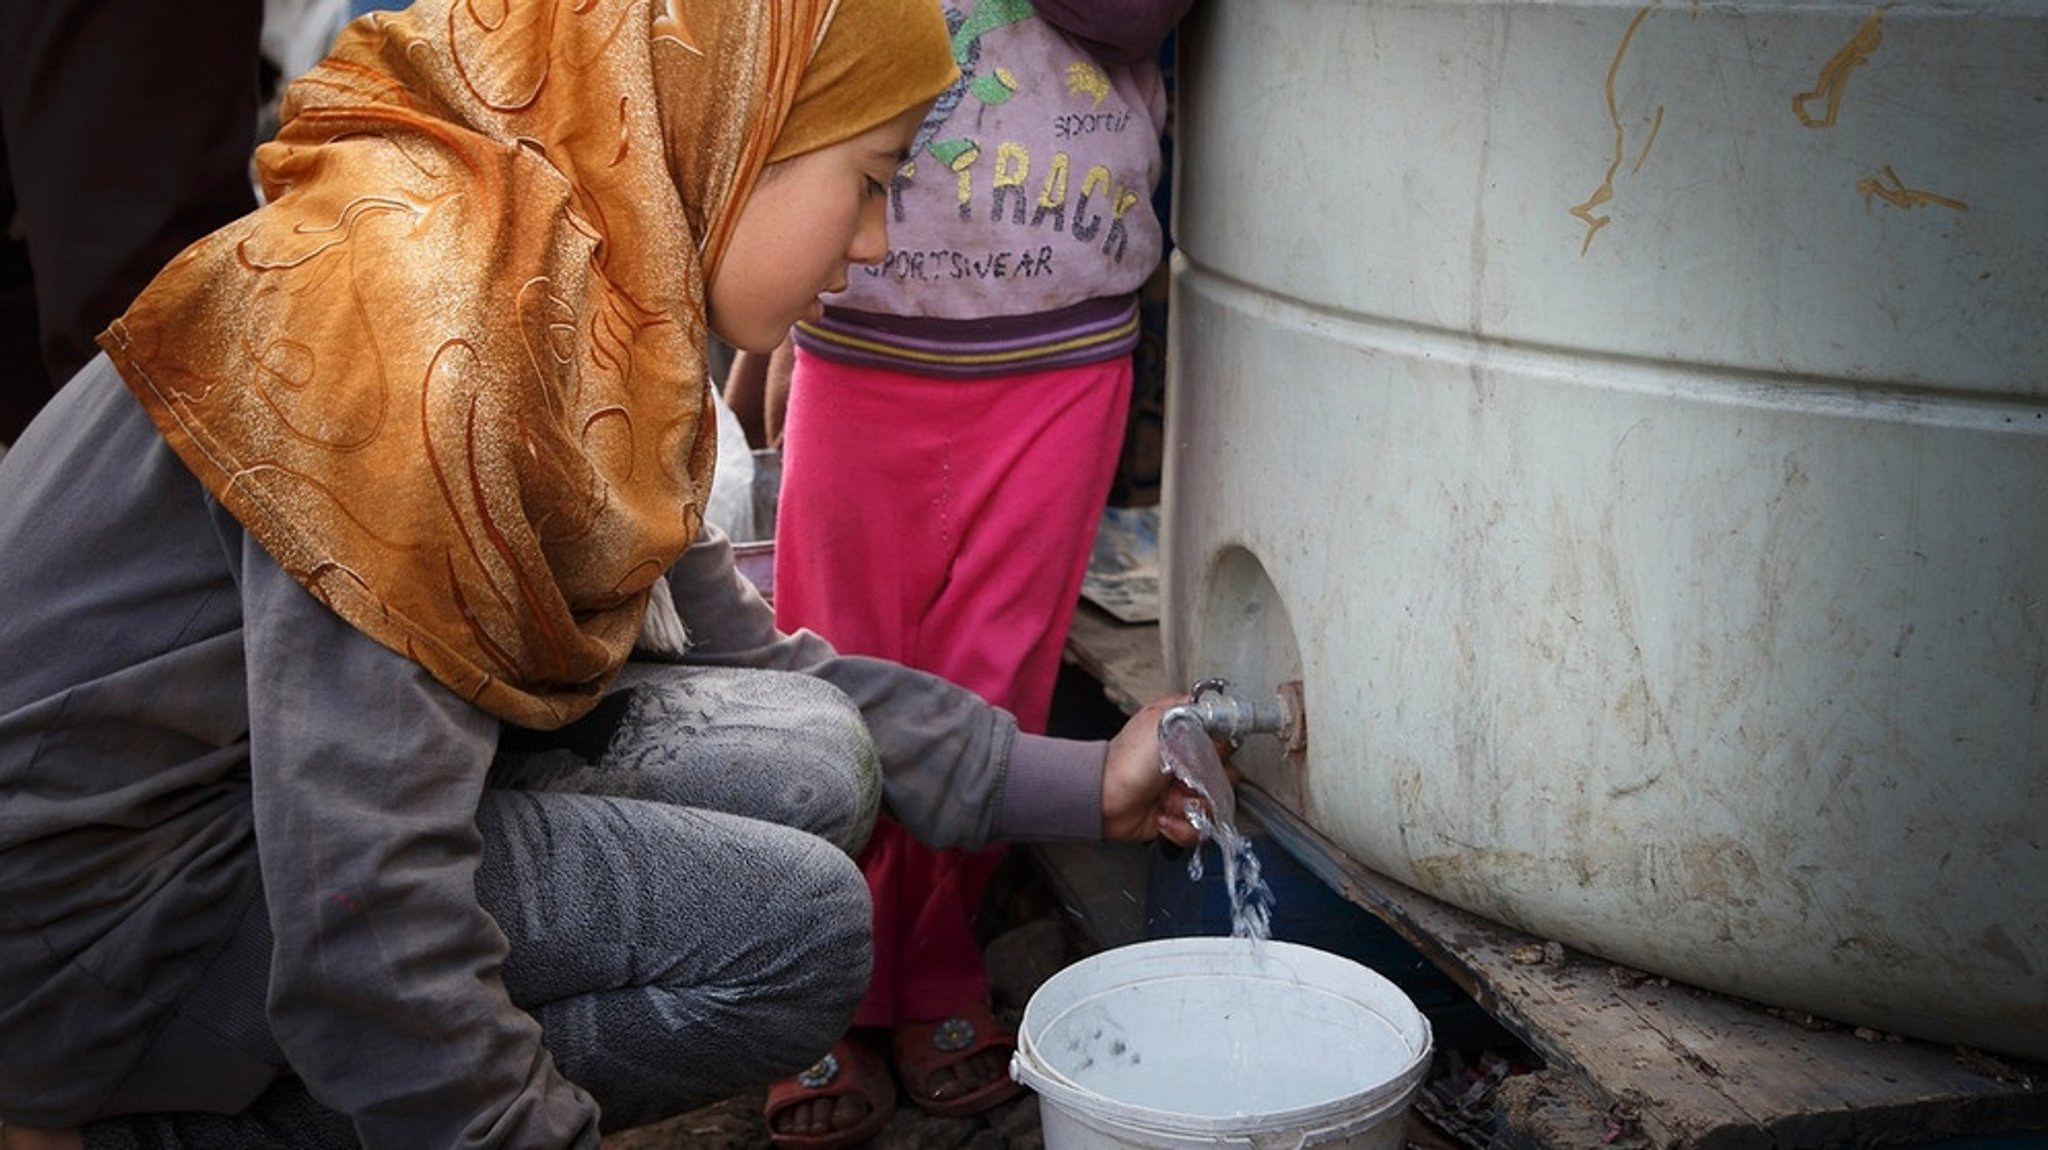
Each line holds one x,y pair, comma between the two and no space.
1218,1042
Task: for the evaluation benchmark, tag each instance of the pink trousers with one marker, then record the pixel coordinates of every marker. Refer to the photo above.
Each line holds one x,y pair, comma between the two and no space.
945,524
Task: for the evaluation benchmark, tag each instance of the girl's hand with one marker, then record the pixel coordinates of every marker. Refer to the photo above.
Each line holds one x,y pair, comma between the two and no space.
1141,800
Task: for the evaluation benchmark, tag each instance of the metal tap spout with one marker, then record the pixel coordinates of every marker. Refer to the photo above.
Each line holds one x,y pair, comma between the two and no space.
1236,717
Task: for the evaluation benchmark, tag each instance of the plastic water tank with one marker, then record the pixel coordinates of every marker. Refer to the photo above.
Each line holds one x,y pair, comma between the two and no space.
1629,423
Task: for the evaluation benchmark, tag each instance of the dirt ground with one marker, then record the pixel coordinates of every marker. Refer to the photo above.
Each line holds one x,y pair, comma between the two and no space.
736,1125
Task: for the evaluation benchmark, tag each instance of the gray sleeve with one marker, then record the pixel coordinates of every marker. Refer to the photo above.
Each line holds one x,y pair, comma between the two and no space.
956,771
384,992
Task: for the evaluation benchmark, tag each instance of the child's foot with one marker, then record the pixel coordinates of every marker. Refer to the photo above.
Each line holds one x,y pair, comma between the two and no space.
958,1065
957,1081
843,1101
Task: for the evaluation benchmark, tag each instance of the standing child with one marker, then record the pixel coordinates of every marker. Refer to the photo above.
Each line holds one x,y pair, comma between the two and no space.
337,806
954,422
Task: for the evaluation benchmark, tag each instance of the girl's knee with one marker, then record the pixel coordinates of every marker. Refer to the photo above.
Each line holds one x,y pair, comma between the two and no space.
737,952
777,746
829,895
835,772
826,964
802,744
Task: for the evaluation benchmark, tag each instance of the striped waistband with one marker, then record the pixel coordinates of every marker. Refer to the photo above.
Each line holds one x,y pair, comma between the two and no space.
1086,332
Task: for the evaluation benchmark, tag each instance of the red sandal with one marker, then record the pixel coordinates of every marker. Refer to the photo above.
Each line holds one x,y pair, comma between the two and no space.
852,1067
924,1048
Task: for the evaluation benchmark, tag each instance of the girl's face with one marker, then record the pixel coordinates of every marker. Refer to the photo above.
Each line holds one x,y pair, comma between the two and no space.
808,218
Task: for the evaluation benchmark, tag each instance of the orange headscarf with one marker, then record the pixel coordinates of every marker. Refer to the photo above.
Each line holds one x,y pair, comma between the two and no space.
452,375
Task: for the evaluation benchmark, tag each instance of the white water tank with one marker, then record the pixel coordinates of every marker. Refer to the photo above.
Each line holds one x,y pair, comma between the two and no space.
1629,424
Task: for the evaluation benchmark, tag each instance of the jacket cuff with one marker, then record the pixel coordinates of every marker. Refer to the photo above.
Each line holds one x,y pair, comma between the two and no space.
1052,791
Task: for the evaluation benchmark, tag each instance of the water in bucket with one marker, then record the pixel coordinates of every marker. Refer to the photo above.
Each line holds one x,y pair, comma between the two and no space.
1186,752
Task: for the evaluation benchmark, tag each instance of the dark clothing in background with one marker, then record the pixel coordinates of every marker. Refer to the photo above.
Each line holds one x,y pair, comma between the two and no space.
126,128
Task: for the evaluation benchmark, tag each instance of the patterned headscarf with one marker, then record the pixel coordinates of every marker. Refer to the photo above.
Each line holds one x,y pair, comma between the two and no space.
452,375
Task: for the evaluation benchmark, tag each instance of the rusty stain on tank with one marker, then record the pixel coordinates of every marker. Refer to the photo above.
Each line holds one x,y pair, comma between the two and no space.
1605,191
1893,190
1834,75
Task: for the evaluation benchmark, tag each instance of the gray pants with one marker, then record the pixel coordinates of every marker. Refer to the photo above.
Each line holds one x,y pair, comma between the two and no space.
674,873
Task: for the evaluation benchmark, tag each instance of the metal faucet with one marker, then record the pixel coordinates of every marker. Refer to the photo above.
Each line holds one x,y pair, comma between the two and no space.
1234,717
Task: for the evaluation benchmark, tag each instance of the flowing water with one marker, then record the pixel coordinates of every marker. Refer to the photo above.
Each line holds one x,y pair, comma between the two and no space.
1186,752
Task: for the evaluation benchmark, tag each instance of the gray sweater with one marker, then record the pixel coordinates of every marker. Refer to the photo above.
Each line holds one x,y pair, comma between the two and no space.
192,748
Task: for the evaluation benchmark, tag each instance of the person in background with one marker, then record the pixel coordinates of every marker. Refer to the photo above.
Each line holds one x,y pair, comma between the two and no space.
387,757
297,35
126,128
954,420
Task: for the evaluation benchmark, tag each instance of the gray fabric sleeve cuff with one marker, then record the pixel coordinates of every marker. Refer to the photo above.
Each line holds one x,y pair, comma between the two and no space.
1052,791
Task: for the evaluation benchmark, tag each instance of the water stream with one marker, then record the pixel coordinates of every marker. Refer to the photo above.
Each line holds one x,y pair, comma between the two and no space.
1187,752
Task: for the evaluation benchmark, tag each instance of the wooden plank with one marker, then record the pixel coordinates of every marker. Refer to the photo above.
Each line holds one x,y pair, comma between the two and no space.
1100,885
1660,1062
1688,1067
1124,657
